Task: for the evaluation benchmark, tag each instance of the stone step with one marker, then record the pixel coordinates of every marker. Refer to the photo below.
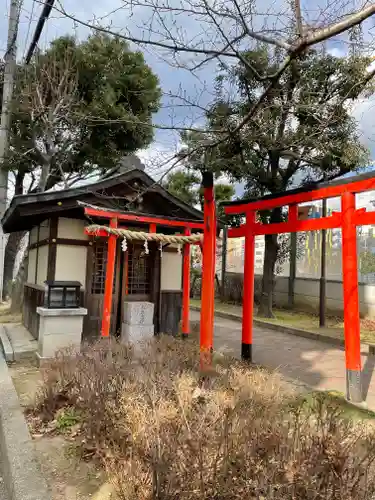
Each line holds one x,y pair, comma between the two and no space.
17,343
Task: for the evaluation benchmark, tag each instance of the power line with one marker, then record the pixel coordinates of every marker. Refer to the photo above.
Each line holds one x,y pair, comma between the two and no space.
39,28
29,27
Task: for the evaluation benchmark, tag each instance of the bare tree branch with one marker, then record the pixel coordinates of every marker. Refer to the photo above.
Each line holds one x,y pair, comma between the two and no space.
298,14
322,34
230,34
141,41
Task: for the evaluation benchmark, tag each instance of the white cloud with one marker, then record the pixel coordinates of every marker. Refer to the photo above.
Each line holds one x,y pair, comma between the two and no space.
159,158
336,51
364,111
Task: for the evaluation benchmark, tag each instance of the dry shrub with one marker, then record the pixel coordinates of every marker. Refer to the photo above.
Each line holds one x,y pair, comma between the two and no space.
368,324
164,434
233,288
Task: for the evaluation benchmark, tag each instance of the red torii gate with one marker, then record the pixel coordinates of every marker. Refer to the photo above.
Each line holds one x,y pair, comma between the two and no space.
151,222
208,226
348,219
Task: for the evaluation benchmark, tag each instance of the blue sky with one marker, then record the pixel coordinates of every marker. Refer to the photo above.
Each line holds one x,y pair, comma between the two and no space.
174,81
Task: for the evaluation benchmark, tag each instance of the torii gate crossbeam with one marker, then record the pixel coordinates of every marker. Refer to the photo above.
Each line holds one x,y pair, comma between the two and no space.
348,219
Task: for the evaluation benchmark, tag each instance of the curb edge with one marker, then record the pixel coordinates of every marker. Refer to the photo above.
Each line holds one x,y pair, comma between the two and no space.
21,471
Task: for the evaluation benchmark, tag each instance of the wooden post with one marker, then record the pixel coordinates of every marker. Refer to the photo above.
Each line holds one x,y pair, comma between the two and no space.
248,289
126,272
208,271
351,300
109,279
186,288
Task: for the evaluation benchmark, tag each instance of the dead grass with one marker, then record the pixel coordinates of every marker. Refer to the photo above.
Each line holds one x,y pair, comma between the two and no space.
164,431
27,381
304,321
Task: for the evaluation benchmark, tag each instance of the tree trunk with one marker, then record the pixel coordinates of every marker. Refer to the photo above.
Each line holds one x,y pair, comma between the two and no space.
17,288
11,250
43,176
269,264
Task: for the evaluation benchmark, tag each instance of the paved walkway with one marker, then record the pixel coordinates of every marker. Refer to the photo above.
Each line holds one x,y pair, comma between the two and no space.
310,362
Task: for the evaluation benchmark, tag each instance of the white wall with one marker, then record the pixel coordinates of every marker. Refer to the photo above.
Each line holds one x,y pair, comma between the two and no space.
71,263
33,235
42,264
38,257
31,266
306,295
71,228
71,259
44,230
171,271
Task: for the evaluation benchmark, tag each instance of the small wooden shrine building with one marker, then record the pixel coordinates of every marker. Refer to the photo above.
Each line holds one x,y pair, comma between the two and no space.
62,250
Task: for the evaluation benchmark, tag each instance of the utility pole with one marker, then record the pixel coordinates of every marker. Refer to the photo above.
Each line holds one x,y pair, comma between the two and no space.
47,7
8,82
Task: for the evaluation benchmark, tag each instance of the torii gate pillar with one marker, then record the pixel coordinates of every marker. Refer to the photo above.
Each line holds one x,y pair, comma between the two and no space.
351,300
208,271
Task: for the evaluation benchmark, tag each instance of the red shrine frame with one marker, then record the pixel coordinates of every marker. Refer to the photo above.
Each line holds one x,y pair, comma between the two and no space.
152,222
208,272
348,219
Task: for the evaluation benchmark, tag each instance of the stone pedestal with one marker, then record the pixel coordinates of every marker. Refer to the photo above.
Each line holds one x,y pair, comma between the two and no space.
59,329
138,321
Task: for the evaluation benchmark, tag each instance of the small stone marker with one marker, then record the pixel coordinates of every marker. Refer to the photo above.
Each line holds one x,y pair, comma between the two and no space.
138,321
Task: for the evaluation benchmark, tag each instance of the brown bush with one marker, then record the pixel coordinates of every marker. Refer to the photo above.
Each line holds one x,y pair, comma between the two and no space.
233,288
163,434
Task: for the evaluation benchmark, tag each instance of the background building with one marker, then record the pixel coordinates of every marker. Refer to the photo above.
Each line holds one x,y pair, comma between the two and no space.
309,248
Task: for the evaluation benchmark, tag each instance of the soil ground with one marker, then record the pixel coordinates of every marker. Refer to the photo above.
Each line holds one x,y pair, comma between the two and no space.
6,316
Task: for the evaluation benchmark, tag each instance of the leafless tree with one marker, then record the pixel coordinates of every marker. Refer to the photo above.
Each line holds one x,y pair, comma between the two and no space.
196,34
46,103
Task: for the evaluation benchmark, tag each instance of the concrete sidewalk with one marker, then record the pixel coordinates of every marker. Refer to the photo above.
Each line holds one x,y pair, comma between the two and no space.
3,495
309,362
19,467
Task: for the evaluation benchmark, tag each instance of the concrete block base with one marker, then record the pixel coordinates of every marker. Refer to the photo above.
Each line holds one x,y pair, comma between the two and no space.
138,313
136,333
50,344
59,329
42,362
